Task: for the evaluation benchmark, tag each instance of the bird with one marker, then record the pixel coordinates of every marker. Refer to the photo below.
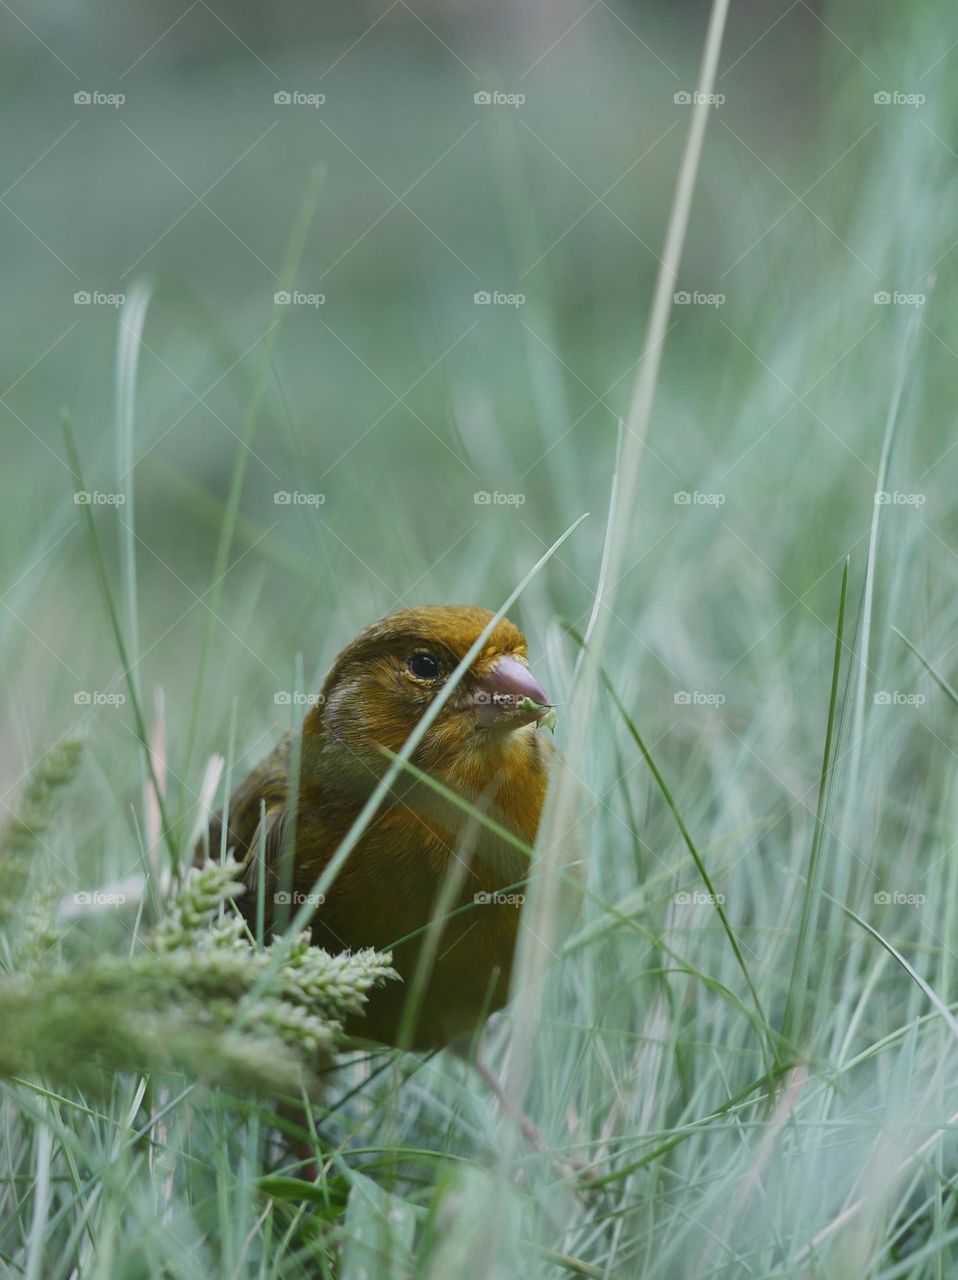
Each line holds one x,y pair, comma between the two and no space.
483,747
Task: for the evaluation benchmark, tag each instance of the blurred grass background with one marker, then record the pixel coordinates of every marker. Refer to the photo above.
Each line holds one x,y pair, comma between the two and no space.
398,399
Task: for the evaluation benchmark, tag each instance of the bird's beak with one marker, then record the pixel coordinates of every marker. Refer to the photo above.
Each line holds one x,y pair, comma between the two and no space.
501,690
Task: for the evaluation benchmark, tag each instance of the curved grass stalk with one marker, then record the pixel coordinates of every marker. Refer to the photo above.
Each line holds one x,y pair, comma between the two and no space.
535,944
794,1002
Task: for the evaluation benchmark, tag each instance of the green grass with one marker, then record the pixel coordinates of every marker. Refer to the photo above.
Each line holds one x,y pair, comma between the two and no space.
734,1019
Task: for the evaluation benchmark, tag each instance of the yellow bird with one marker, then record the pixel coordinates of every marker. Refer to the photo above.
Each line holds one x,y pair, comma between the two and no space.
483,746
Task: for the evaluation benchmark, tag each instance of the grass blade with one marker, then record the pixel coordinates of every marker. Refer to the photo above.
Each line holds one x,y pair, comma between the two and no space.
696,856
138,719
535,945
936,675
793,1017
129,344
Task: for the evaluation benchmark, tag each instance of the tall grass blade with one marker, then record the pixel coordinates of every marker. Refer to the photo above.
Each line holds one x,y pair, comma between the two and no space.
541,910
793,1017
696,858
139,722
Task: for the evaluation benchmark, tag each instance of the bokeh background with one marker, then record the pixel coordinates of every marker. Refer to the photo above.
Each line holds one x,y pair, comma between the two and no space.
814,319
398,398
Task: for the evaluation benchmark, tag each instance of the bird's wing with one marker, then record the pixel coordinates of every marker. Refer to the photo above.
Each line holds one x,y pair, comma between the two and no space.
261,794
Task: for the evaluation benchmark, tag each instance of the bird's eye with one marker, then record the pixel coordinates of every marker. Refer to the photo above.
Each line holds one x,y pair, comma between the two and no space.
424,666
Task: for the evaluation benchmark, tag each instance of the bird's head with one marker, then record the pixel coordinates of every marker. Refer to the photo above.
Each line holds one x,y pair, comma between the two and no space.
381,685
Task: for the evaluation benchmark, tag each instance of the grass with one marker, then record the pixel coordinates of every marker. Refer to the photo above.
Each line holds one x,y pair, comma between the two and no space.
733,1027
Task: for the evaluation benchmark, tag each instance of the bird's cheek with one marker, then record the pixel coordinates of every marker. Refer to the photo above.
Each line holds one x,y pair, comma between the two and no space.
359,722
